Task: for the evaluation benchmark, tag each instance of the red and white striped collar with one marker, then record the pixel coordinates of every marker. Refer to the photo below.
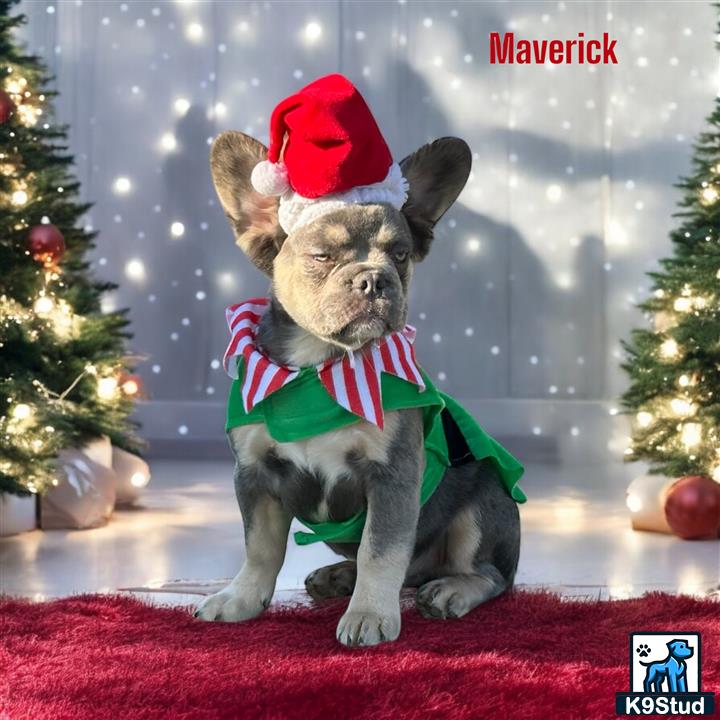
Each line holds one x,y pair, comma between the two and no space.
353,380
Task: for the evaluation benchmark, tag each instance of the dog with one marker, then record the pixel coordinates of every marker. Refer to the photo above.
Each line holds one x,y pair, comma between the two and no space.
338,285
672,669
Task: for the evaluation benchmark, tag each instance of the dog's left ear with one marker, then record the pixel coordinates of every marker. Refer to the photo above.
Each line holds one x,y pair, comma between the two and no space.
436,173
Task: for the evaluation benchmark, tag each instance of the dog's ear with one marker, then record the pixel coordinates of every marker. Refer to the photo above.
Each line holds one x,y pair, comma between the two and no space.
436,173
253,217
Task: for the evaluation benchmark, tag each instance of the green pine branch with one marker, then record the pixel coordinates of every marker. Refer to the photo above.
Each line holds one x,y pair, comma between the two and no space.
674,367
50,362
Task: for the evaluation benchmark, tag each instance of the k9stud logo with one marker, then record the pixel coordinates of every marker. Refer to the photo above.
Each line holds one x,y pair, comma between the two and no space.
665,676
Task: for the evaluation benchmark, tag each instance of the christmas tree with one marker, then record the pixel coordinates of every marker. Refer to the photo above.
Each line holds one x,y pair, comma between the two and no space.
63,374
674,395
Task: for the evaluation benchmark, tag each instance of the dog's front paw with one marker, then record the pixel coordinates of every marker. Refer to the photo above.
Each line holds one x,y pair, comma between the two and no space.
231,605
358,628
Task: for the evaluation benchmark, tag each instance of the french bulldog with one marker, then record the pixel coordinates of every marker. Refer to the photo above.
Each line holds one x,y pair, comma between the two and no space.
338,284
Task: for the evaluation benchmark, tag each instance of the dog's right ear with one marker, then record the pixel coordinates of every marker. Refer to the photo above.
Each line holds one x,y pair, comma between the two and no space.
253,217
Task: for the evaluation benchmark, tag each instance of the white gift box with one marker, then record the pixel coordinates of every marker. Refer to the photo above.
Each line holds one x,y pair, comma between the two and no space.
17,513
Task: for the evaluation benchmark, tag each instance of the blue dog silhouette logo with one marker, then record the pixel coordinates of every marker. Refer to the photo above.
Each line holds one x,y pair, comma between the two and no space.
665,676
670,673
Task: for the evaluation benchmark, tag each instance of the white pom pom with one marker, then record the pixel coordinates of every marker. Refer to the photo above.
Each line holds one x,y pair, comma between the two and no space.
270,178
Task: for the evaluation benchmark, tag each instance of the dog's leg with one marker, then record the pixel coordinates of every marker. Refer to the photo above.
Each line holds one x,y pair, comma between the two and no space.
470,576
453,596
647,685
682,681
266,530
331,581
373,615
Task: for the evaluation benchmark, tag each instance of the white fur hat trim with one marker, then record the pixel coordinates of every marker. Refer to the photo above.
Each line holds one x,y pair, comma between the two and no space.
296,210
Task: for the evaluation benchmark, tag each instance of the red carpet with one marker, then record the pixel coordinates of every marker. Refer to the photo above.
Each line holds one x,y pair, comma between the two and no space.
527,656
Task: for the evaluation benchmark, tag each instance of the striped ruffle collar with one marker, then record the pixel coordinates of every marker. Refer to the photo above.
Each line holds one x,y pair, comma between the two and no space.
352,380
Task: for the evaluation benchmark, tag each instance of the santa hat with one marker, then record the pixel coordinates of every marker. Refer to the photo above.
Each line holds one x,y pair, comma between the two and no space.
325,152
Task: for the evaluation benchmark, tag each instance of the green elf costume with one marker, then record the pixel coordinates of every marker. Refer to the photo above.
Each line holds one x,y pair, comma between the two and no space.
298,403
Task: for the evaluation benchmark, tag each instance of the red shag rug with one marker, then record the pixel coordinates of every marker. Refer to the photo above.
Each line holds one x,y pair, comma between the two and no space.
529,655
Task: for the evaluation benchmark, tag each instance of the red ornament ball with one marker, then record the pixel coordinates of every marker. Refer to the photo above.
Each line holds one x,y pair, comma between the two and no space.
7,107
692,508
46,243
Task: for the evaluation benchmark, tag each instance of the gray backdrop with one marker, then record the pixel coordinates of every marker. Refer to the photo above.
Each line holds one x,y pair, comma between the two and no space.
533,278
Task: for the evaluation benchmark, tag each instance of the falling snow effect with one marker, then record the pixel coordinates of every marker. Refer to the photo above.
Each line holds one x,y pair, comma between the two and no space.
535,272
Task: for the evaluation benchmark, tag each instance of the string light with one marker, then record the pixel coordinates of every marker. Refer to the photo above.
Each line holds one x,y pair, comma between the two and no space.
63,318
709,195
19,197
29,115
44,305
107,388
683,304
691,434
644,418
682,407
21,411
669,348
715,473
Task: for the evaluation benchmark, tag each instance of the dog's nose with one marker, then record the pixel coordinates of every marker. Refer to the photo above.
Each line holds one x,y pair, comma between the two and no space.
370,282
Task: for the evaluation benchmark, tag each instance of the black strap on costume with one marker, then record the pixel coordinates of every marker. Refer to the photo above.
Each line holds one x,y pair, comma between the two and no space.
458,450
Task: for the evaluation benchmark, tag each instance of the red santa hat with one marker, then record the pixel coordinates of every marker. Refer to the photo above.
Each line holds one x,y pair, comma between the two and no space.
326,151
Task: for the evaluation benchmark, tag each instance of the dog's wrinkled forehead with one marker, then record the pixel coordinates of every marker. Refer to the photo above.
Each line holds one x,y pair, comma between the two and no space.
357,227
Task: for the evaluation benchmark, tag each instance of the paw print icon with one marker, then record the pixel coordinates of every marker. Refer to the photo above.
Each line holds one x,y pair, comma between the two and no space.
643,650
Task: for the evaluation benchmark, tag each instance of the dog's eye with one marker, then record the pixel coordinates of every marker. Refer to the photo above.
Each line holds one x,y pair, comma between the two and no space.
321,258
400,255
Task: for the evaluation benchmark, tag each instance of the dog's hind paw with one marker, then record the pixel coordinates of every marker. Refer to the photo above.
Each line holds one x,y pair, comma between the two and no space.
441,599
332,581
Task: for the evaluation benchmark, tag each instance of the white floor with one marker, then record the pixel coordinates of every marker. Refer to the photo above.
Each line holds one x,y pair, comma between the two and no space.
187,536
